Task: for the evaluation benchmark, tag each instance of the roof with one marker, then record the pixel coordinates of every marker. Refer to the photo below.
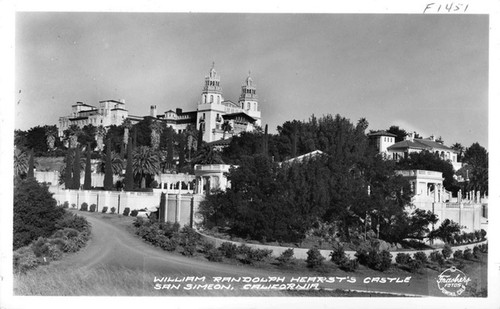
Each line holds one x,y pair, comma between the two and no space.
221,142
240,114
308,155
419,144
382,133
115,101
83,104
118,108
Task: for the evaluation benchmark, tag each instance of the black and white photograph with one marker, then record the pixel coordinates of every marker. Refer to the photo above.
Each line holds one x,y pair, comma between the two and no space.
221,157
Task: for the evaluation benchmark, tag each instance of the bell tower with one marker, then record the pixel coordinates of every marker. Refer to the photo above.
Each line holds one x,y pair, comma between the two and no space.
210,109
249,101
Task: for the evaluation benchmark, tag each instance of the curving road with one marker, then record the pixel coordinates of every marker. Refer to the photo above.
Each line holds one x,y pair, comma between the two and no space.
113,246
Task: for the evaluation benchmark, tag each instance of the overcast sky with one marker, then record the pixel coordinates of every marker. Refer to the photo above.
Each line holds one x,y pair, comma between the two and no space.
427,73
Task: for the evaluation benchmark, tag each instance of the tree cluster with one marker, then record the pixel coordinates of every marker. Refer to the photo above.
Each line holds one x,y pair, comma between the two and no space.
349,186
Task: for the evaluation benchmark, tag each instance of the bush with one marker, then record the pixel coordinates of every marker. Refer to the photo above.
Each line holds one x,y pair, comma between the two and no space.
189,250
54,252
484,248
338,255
138,222
104,209
362,256
468,254
420,256
214,255
257,255
386,260
73,221
113,209
476,252
477,234
24,259
65,205
40,247
286,257
243,249
446,251
84,207
73,205
134,213
93,207
126,211
314,258
35,212
437,257
228,250
415,265
348,264
483,234
458,254
206,246
403,258
170,244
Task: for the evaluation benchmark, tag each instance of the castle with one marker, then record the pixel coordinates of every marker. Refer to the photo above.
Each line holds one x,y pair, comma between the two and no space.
216,117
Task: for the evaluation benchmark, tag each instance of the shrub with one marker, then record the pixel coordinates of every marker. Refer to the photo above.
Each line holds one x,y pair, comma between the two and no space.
348,264
73,221
228,250
113,209
446,251
458,254
35,212
65,205
134,213
257,255
477,234
415,265
362,256
403,258
24,259
84,207
126,211
243,249
286,257
476,252
338,255
104,209
437,257
314,258
40,247
54,252
93,207
170,245
483,234
189,250
73,205
458,238
386,260
468,254
420,256
214,255
138,222
484,248
206,246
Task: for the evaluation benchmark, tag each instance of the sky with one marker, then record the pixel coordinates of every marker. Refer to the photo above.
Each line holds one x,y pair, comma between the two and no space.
424,73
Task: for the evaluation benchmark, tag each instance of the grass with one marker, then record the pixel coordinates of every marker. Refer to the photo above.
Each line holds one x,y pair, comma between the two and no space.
101,281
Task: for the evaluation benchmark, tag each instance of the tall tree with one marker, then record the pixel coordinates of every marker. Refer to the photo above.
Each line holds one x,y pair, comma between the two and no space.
156,130
459,149
108,169
76,169
21,162
31,166
476,157
129,171
265,142
226,127
400,133
68,169
182,149
87,183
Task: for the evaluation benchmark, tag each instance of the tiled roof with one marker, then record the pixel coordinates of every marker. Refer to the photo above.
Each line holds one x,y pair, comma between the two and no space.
241,114
382,133
424,144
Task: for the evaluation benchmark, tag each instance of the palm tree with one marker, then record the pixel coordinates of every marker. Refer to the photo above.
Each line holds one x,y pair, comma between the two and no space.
50,134
100,132
226,127
156,130
116,163
20,162
208,155
146,162
460,149
71,134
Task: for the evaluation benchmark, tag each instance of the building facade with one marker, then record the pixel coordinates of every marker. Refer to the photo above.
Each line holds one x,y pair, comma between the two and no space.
107,113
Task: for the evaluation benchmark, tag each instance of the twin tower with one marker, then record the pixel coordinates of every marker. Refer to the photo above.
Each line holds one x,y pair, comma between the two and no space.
219,118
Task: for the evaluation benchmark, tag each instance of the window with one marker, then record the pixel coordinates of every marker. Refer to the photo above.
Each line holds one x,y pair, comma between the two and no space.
211,98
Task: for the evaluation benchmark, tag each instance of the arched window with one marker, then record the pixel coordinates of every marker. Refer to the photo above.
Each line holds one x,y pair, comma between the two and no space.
248,105
211,98
218,99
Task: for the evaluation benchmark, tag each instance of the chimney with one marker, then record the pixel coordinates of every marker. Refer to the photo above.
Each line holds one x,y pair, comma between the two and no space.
153,111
